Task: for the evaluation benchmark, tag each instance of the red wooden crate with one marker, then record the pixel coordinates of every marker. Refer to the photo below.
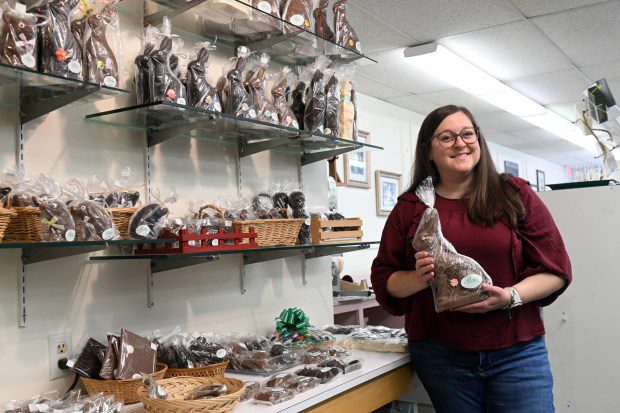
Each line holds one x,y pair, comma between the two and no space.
200,242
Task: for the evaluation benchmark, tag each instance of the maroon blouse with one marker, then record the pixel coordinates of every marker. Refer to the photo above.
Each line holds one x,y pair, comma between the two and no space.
507,255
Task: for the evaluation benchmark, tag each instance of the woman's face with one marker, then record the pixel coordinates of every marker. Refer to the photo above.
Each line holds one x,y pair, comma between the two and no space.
460,159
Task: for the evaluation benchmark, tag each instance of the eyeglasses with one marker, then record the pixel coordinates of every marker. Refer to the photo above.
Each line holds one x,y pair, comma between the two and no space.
447,139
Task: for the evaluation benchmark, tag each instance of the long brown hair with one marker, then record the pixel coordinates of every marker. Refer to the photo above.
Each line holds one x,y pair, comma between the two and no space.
490,196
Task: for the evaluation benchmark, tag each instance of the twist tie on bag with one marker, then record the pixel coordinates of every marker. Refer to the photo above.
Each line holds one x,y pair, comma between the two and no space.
293,320
53,223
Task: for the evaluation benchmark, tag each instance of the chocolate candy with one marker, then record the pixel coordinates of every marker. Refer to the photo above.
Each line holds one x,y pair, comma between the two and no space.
208,391
314,115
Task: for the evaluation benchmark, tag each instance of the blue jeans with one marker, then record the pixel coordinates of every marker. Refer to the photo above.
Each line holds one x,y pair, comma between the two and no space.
512,380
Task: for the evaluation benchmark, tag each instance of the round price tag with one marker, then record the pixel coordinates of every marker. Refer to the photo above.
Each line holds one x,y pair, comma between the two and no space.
108,234
29,61
471,281
264,6
74,67
221,353
109,81
143,230
297,19
70,235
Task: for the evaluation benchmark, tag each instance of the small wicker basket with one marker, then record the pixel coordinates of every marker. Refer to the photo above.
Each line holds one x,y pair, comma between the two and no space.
25,225
122,390
179,388
121,218
212,370
6,216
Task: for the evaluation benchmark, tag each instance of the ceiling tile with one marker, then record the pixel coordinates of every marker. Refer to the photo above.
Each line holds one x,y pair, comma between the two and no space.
504,121
566,110
374,35
511,51
394,70
532,8
610,71
504,139
457,97
536,135
414,103
588,35
551,88
381,91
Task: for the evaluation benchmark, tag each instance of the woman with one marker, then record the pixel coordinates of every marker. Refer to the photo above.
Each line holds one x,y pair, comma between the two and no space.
488,356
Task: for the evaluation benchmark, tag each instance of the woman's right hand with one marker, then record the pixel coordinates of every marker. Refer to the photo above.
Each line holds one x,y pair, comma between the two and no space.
424,268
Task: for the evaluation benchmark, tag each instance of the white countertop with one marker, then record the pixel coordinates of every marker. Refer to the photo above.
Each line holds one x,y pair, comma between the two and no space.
374,364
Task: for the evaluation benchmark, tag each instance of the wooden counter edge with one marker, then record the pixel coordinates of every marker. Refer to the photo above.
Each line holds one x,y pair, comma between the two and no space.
370,395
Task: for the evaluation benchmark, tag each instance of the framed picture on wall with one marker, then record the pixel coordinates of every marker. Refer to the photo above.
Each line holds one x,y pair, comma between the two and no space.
511,168
357,165
540,180
388,186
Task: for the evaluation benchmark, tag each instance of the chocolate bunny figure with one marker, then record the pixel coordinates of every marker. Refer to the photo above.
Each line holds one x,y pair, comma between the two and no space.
239,101
165,84
199,92
60,49
321,27
314,116
286,116
298,106
345,35
56,221
142,62
97,223
267,111
457,277
18,39
78,30
332,106
100,59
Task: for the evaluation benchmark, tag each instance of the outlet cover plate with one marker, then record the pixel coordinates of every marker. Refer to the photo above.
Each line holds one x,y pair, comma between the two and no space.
58,346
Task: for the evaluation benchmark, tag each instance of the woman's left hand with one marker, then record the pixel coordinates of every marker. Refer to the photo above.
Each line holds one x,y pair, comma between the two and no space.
498,299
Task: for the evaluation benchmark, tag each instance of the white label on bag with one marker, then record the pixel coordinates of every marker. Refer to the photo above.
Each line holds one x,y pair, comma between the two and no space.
307,221
274,116
32,407
264,6
325,369
109,81
252,113
221,353
215,243
228,223
143,230
181,101
74,67
136,376
130,349
20,8
471,281
108,234
153,346
297,19
70,235
178,221
327,131
29,61
218,107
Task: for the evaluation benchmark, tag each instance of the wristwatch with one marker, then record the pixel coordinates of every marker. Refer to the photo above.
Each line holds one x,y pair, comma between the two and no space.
515,298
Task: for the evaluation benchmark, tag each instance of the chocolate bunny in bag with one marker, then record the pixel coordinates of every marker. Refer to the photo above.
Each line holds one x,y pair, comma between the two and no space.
332,104
345,35
18,37
239,101
200,93
266,110
321,27
314,115
57,224
60,50
458,279
286,116
165,85
100,56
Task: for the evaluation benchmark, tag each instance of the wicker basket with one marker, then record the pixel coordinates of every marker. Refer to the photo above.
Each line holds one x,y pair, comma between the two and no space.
6,216
213,370
121,218
273,232
122,390
179,388
25,225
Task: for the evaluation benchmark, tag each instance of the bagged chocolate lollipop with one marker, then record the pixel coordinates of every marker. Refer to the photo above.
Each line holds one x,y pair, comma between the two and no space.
102,47
165,84
19,36
60,49
321,27
458,279
200,93
286,116
314,115
265,109
345,35
332,104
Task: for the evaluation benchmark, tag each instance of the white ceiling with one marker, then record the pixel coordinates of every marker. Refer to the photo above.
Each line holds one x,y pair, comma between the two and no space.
548,50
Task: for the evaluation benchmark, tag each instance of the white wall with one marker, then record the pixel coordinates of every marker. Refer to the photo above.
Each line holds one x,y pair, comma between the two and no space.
87,298
396,129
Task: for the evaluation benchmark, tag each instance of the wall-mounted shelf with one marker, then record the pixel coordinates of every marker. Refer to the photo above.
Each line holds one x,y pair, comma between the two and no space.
40,93
166,120
282,40
165,262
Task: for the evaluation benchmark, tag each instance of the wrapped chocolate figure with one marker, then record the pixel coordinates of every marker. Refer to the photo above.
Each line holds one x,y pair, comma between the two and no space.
18,38
239,101
299,107
200,93
286,116
332,105
321,27
100,56
148,221
266,110
314,115
165,85
298,13
142,70
345,35
60,54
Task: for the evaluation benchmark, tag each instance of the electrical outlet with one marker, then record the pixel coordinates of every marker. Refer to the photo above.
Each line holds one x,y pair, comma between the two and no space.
58,347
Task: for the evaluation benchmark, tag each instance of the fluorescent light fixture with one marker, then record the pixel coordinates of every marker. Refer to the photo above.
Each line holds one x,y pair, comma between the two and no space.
440,62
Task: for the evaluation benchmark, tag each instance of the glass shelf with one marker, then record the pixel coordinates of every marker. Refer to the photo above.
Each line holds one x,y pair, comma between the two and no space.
41,93
166,120
33,252
231,25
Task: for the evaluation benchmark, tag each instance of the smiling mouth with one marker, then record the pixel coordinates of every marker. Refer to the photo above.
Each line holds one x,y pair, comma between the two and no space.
459,156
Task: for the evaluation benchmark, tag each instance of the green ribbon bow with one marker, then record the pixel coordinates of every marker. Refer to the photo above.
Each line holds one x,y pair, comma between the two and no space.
291,320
